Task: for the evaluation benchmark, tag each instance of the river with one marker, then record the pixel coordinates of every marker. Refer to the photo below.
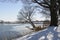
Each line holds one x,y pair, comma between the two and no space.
9,31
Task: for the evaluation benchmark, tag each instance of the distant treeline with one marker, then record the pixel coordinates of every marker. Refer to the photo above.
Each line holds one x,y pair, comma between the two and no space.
35,22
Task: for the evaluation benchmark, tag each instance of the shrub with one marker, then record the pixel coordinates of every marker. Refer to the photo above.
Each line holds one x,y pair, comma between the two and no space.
39,28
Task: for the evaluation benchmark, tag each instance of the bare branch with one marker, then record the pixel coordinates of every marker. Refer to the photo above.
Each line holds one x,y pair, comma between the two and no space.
46,5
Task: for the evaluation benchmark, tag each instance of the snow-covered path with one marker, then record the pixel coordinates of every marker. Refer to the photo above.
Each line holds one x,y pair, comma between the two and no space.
50,33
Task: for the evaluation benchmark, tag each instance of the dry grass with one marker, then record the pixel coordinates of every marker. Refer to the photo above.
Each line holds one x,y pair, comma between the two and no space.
39,28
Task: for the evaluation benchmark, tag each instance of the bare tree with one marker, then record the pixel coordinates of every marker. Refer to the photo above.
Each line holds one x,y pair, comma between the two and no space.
27,13
20,17
52,6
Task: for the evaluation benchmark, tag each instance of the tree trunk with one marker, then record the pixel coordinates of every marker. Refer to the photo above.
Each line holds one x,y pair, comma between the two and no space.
59,11
59,6
31,23
54,16
54,19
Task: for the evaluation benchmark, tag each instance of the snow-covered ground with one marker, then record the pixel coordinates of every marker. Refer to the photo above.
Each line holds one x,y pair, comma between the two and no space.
50,33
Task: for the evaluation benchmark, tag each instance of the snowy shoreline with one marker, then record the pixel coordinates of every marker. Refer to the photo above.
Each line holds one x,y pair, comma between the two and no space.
50,33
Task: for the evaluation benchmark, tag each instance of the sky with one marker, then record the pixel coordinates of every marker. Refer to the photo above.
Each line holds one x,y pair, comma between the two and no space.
9,11
38,16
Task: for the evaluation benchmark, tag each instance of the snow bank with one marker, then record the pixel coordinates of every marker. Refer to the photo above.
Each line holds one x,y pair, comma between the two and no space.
50,33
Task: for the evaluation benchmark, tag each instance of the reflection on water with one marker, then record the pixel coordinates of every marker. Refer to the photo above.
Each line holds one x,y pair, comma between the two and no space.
9,31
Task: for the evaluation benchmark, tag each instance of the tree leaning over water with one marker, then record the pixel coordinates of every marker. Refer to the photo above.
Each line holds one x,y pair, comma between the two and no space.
27,12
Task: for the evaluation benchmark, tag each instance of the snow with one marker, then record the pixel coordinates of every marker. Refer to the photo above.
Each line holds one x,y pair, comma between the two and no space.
50,33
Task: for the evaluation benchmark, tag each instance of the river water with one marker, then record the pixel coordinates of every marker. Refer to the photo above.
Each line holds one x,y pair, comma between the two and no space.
9,31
